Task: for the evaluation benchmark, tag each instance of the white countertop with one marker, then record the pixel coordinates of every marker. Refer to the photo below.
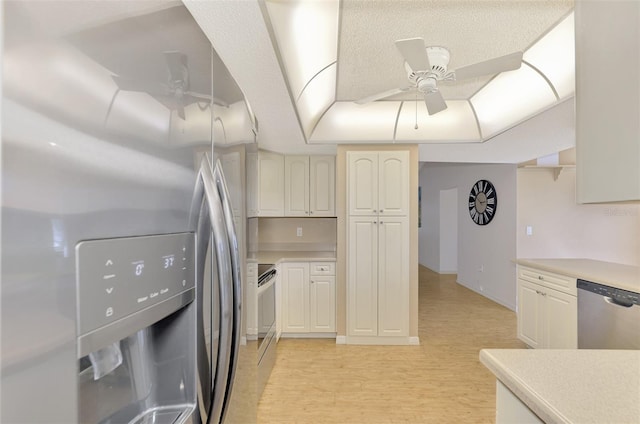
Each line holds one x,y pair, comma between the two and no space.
571,386
274,257
621,276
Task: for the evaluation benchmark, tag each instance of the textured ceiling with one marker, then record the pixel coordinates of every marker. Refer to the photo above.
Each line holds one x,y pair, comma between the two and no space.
472,30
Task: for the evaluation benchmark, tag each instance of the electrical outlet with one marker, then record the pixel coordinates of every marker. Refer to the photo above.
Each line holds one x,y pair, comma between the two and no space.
299,232
482,288
529,230
481,269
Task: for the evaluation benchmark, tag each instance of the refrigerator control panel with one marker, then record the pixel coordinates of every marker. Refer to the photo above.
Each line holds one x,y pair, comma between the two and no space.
121,276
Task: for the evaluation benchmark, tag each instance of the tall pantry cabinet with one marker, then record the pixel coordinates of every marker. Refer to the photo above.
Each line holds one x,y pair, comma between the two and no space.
378,244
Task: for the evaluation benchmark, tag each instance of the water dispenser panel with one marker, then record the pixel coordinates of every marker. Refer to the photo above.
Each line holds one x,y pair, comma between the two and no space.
121,276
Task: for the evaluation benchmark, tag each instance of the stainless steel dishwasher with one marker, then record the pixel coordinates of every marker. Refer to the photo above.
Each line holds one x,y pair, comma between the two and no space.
608,317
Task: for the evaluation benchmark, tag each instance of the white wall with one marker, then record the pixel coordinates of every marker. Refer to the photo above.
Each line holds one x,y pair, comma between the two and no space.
491,247
562,228
448,231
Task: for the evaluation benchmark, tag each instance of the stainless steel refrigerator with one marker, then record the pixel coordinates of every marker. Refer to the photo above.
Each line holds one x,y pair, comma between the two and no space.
121,291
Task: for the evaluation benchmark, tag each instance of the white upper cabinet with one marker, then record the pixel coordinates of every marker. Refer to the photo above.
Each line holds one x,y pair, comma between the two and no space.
607,101
296,189
310,186
279,185
322,186
378,183
265,175
363,183
393,183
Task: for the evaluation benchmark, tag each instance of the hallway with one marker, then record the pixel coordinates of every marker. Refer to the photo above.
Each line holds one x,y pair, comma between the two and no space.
440,381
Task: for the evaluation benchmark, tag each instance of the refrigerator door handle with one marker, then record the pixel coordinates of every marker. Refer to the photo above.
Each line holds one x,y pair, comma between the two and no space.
206,368
207,194
236,272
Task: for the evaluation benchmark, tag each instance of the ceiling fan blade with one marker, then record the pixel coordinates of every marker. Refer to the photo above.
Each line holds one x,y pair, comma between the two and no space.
435,102
177,64
415,53
382,95
199,96
145,86
509,62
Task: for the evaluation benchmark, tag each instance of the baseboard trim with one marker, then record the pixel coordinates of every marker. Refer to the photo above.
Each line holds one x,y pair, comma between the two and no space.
380,341
414,341
341,340
308,335
488,296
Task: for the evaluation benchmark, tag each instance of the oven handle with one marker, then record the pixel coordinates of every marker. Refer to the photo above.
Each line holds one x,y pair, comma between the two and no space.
266,286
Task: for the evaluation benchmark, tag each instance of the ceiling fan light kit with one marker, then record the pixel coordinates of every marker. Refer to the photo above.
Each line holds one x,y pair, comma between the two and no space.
426,65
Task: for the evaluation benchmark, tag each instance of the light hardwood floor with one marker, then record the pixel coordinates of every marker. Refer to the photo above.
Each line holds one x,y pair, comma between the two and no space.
440,381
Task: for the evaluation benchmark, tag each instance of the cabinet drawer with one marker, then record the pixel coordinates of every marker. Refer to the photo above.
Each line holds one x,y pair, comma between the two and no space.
322,268
549,279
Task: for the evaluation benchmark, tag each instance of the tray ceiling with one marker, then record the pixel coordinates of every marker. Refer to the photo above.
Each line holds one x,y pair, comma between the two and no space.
472,30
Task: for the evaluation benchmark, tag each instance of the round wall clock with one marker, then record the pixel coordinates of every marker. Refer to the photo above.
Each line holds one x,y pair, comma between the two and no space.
483,202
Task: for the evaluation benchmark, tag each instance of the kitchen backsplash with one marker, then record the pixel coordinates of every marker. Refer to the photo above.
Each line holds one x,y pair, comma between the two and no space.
317,234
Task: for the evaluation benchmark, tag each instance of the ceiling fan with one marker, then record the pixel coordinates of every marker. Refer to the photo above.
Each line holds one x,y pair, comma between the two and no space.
175,92
428,65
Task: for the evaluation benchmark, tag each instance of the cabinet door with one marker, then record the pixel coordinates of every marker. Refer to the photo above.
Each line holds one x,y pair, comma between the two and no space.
362,183
271,184
362,274
295,297
607,138
561,320
322,188
393,276
530,310
393,183
322,304
296,185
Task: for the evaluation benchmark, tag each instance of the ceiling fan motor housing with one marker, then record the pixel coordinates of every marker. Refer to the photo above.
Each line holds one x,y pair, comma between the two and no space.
439,61
426,84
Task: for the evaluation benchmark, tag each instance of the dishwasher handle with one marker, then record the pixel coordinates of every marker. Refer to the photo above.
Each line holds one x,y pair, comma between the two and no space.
617,302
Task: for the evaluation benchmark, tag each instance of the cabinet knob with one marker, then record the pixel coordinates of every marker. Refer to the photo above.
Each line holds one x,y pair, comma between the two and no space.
381,210
540,277
310,212
312,281
375,222
381,222
374,211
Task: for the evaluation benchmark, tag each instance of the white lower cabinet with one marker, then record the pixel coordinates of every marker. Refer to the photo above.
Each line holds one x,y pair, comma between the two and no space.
322,304
547,317
378,276
510,409
308,297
